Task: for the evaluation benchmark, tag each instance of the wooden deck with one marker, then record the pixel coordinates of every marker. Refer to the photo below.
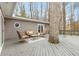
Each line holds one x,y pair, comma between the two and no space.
68,46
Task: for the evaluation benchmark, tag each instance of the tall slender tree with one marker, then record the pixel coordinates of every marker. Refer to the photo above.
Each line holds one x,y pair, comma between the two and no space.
72,20
16,11
41,10
23,12
30,9
64,17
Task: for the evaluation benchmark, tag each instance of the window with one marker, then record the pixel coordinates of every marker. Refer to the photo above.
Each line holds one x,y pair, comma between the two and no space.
40,28
33,10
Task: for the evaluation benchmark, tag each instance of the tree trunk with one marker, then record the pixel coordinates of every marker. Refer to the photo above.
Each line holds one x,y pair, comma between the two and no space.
54,18
64,18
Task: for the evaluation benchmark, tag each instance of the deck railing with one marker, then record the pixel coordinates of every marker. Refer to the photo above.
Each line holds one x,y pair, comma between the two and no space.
69,32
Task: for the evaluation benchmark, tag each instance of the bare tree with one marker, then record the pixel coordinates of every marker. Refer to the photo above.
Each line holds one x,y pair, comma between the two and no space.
30,9
64,17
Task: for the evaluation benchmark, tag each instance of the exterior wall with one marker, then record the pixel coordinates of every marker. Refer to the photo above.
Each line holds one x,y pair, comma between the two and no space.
9,7
10,30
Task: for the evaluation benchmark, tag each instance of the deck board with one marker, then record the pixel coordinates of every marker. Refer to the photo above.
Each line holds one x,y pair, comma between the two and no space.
41,48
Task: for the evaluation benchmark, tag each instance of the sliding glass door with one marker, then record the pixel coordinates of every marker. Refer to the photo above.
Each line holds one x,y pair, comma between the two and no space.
1,29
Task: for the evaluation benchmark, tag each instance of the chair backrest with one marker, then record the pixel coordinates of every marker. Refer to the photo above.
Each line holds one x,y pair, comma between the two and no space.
19,35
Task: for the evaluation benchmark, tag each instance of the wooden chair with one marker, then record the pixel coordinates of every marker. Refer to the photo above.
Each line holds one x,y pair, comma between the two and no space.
22,36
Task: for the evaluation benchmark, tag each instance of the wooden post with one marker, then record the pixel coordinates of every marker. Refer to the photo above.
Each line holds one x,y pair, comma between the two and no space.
54,18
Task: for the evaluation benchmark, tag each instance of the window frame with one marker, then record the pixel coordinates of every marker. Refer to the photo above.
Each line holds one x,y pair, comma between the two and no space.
37,17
